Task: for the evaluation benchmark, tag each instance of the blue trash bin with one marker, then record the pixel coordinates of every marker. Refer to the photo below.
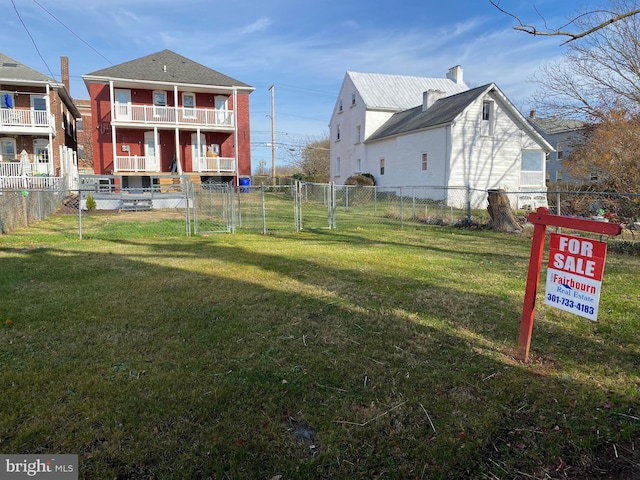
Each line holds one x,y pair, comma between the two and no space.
245,183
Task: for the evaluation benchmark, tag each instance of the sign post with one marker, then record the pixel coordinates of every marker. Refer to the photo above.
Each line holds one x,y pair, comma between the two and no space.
540,219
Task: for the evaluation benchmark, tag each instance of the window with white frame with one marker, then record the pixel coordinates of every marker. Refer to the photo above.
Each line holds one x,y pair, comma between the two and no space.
41,150
7,148
189,104
357,139
560,150
423,161
159,101
340,106
353,99
358,165
487,118
382,166
338,133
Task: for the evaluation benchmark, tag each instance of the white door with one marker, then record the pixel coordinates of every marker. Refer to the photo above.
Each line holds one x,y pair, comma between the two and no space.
152,162
123,104
198,156
221,107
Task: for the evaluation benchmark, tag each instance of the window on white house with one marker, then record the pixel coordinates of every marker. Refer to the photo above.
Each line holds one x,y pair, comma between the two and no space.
358,134
487,118
358,165
382,166
338,133
560,150
353,99
423,162
340,106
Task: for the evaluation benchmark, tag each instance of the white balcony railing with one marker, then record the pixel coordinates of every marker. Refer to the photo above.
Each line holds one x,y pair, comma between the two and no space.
16,169
16,117
214,164
135,163
530,178
150,114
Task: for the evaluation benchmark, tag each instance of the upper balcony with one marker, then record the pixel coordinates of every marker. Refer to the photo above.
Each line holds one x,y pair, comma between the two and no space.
132,114
26,121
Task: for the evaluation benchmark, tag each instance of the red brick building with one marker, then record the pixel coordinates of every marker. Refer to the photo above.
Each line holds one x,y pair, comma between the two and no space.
164,113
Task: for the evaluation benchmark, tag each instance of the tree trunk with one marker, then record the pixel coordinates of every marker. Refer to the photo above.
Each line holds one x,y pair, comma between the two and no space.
502,217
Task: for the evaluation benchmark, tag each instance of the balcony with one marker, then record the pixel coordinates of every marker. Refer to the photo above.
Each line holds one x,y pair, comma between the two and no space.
17,169
214,165
139,164
128,113
26,121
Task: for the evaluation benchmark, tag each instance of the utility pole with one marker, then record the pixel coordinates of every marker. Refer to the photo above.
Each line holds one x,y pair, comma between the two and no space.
273,136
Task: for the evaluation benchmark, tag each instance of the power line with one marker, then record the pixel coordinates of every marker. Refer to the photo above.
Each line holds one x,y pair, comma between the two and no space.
72,32
32,40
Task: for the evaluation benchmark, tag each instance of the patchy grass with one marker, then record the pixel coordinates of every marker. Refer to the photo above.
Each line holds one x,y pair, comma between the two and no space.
343,354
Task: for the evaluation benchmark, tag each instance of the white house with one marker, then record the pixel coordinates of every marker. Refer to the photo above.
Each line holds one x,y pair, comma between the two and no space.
436,133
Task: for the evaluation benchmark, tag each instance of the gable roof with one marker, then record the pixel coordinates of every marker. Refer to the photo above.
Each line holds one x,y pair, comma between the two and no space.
398,92
444,111
167,67
554,125
12,70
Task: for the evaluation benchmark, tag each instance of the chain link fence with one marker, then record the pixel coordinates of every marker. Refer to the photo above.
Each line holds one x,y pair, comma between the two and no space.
110,207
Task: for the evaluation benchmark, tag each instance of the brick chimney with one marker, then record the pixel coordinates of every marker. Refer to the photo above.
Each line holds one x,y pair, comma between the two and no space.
455,75
430,97
64,71
532,114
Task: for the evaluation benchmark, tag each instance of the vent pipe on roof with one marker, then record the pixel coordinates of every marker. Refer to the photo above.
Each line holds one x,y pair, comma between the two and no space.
164,68
455,75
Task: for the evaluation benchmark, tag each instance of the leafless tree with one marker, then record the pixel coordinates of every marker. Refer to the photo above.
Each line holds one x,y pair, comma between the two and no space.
313,160
605,18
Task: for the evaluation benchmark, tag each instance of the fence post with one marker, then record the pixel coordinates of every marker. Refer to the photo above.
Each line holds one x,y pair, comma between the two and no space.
469,215
401,209
558,207
264,211
333,205
80,213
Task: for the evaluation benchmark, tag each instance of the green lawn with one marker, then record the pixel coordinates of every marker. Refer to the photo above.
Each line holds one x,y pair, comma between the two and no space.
347,354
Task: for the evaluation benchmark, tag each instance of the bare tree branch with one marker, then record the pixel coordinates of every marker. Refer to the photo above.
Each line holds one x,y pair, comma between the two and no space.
533,30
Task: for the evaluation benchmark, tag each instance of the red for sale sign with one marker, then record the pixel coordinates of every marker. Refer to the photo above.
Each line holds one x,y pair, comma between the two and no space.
574,274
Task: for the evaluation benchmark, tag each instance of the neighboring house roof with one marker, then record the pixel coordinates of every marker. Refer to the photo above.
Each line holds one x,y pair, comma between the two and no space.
12,70
443,112
398,92
167,67
554,125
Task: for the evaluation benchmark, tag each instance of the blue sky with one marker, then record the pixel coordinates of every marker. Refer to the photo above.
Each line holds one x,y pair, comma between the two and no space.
303,48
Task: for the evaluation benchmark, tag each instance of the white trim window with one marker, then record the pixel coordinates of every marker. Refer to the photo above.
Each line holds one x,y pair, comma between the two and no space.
382,166
353,99
340,106
358,137
159,102
488,114
189,104
423,162
41,150
358,165
338,133
7,148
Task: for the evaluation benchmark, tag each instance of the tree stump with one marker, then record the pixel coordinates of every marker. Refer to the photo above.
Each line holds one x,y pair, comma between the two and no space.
502,217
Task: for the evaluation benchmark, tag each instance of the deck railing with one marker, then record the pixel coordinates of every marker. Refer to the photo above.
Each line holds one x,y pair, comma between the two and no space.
214,164
135,163
150,114
17,117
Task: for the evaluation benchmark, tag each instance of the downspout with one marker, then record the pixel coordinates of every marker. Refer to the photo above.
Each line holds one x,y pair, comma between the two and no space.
235,134
113,128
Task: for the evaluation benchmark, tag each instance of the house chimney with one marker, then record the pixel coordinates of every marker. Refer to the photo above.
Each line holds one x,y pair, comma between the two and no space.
532,114
430,97
64,71
455,75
